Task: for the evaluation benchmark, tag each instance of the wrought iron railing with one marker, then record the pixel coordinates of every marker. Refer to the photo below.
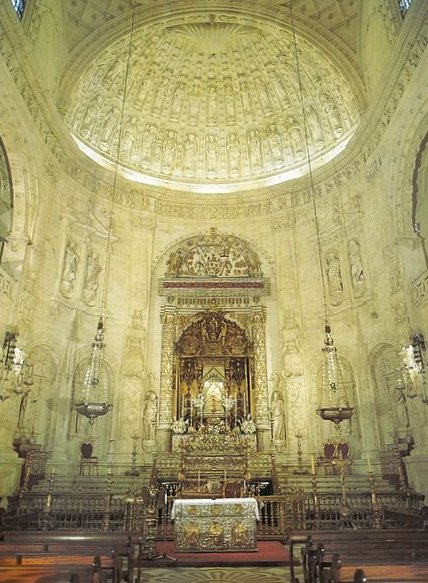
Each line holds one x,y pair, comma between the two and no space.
279,514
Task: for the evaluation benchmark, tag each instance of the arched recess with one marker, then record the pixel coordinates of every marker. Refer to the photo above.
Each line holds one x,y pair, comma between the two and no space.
390,396
212,304
214,359
37,417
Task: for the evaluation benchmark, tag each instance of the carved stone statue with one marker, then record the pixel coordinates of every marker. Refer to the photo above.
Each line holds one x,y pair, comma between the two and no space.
69,272
278,417
334,273
150,413
93,270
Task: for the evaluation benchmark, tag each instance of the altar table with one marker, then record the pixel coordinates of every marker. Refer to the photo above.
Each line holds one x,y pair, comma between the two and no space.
223,524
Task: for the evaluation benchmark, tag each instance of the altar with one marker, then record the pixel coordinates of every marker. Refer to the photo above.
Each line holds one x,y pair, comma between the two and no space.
223,524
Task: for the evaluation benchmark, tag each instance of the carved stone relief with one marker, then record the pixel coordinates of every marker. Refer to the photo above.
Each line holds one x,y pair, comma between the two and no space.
204,116
214,255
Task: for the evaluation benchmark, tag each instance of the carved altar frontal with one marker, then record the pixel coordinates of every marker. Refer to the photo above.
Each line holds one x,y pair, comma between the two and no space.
226,524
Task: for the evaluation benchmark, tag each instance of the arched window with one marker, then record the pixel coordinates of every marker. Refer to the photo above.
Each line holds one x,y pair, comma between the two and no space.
19,6
404,6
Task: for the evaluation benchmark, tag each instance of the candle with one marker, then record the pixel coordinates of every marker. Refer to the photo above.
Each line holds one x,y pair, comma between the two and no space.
199,479
369,464
312,464
224,476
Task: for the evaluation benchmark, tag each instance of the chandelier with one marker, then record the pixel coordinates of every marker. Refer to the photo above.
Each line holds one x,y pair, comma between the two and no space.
334,402
93,399
16,372
94,396
334,405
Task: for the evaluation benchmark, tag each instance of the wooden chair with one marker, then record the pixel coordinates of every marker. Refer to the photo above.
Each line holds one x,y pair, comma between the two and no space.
87,460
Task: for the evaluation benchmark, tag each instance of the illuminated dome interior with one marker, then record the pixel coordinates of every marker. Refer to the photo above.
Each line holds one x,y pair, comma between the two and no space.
212,103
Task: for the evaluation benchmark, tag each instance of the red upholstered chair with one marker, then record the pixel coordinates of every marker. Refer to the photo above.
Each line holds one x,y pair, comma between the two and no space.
87,460
329,450
343,450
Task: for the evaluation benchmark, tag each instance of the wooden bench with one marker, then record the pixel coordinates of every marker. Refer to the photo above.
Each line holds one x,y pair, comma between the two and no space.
372,546
118,548
76,568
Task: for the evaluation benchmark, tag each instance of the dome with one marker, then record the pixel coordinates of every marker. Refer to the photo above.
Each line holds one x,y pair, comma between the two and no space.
212,102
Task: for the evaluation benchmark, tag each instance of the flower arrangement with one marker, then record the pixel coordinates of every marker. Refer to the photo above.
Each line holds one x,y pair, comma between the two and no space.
227,403
178,426
248,426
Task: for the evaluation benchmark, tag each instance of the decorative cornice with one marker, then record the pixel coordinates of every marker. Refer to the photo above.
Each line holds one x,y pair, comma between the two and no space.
411,44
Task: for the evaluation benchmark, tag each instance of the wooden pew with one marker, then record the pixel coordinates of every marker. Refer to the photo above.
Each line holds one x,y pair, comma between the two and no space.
60,568
374,546
118,548
317,568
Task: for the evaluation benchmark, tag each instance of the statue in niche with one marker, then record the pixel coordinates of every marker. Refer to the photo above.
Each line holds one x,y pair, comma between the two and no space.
211,104
229,101
263,95
214,392
356,267
93,270
149,141
129,135
246,98
133,365
332,111
233,148
278,416
169,147
334,274
400,409
295,137
69,272
212,151
88,119
291,339
109,130
150,413
254,147
315,128
275,145
278,86
161,92
195,97
190,151
177,99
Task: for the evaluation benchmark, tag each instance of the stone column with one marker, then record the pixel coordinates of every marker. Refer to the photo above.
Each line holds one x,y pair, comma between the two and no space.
168,319
258,333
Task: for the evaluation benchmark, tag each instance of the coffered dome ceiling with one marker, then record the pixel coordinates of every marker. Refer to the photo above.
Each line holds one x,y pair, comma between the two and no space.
213,102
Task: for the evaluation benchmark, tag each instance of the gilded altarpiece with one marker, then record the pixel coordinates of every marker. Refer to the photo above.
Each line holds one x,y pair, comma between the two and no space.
214,285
